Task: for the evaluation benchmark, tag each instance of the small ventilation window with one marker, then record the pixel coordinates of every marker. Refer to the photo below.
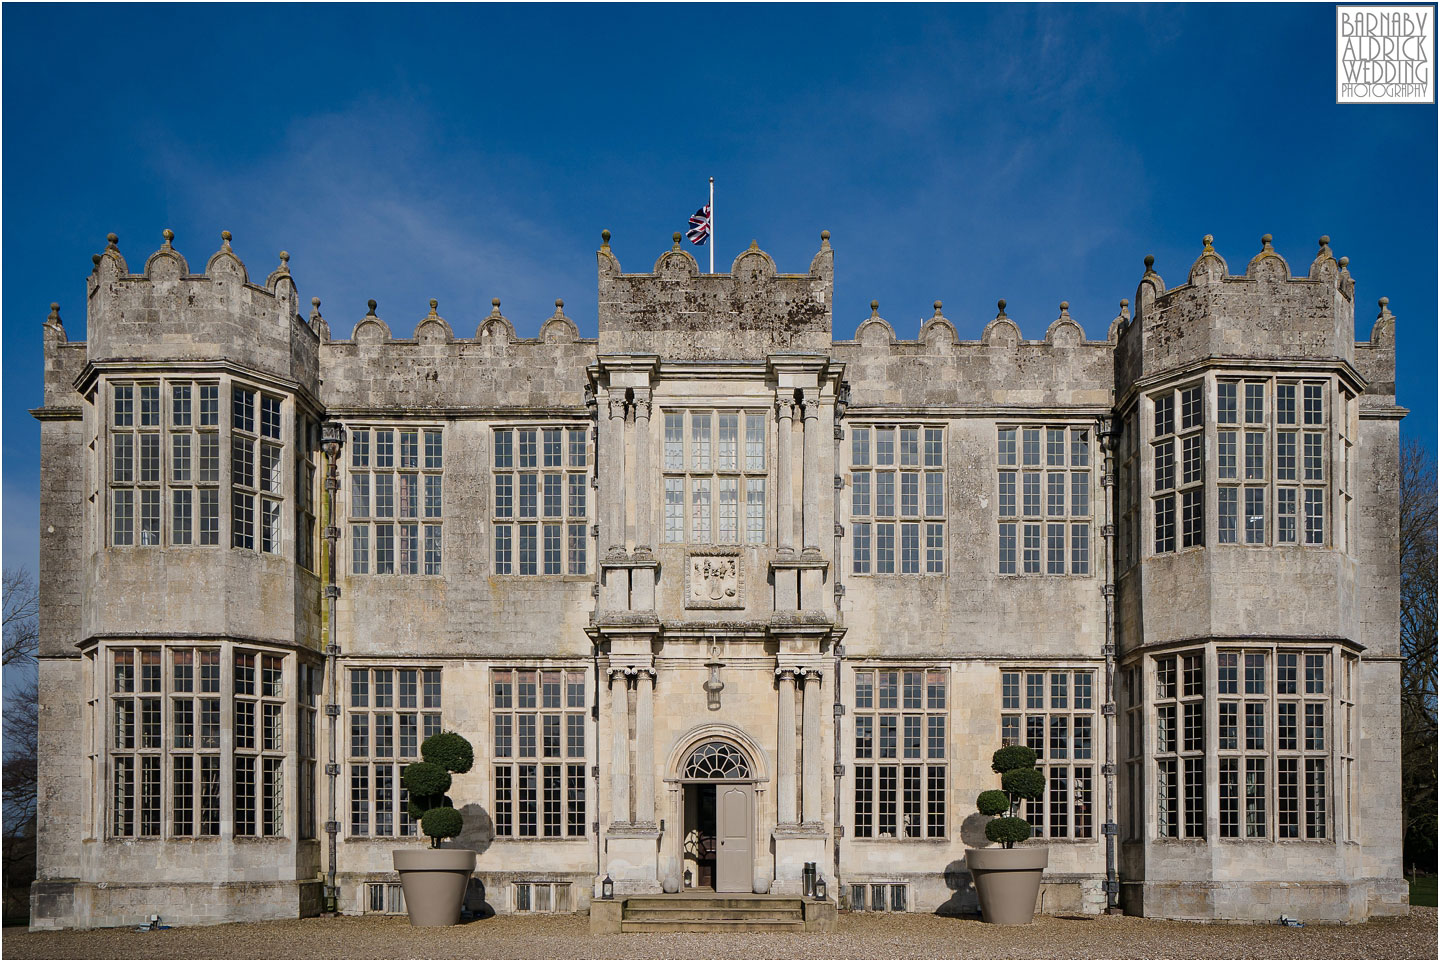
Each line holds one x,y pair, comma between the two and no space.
542,897
880,897
385,898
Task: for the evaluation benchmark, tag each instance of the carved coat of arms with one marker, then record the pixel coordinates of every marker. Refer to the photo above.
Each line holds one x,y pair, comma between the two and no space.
714,580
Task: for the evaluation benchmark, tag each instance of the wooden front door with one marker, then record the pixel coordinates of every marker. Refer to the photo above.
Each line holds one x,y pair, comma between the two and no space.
734,827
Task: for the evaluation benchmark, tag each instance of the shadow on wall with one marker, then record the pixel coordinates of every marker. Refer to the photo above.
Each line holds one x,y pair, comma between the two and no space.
478,833
475,904
963,902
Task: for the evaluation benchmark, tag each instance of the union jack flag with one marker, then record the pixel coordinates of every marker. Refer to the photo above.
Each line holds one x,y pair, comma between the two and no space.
699,231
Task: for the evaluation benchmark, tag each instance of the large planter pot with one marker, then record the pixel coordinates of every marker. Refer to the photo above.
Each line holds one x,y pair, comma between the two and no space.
1007,880
434,880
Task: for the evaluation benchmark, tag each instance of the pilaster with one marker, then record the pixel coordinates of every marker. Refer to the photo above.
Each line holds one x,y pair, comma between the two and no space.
785,461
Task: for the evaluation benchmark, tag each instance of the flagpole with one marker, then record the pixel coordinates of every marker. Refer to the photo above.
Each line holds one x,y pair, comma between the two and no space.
712,225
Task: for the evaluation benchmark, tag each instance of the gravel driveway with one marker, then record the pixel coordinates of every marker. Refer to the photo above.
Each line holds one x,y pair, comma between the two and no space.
859,936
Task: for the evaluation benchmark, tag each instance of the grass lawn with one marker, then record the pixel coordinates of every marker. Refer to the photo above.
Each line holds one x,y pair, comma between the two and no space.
1422,890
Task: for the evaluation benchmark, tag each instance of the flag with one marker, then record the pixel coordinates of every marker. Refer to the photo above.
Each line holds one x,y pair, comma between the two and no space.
699,231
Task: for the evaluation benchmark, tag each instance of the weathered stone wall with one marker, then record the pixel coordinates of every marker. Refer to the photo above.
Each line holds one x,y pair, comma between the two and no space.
751,312
167,313
750,339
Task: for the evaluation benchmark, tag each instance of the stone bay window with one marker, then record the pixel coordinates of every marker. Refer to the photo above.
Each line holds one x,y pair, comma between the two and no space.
160,732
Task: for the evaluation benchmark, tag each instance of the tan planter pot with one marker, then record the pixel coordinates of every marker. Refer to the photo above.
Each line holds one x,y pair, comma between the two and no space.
434,880
1007,880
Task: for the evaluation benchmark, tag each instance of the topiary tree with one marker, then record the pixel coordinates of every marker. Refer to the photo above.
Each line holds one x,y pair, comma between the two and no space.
428,781
1020,781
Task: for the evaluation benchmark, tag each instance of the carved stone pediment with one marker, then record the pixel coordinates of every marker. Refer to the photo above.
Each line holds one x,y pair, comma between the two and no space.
714,578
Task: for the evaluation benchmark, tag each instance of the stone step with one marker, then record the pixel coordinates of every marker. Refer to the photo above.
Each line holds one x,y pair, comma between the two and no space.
753,914
771,902
711,925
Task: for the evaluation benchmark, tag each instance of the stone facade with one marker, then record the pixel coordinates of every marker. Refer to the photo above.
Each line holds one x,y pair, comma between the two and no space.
718,577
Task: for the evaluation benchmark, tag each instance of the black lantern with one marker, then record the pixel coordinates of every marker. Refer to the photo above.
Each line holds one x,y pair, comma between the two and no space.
820,889
607,888
689,879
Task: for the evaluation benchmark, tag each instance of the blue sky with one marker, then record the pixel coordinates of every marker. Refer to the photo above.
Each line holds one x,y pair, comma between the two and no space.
955,153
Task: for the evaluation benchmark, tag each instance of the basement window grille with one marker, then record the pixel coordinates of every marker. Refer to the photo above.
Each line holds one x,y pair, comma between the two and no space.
542,897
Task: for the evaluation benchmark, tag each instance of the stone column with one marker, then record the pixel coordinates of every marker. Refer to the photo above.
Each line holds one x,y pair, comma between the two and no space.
810,749
810,492
644,508
785,512
785,762
645,747
612,443
619,748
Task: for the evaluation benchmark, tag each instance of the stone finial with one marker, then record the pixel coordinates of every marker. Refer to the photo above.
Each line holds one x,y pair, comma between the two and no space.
1344,262
433,305
1149,263
54,317
1209,243
371,303
1324,240
874,308
1384,303
559,305
494,307
605,239
1064,307
225,240
1000,308
315,304
284,267
112,242
824,238
675,241
169,236
1266,242
937,308
754,245
95,259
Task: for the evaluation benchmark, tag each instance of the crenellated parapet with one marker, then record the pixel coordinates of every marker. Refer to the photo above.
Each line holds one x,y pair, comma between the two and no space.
1002,368
1266,314
1375,359
749,313
436,372
166,314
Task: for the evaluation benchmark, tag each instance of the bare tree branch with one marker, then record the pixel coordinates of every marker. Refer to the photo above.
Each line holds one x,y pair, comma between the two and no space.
21,619
1418,597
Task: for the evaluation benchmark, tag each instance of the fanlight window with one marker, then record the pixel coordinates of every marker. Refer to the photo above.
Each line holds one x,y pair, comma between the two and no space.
717,760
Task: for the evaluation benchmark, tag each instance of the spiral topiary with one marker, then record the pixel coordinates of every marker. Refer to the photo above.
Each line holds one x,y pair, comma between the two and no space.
427,782
1020,781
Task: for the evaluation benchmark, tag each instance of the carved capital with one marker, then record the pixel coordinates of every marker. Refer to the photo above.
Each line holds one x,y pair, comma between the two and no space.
784,407
617,407
641,404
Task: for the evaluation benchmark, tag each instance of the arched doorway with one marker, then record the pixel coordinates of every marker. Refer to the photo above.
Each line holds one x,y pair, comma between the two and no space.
719,810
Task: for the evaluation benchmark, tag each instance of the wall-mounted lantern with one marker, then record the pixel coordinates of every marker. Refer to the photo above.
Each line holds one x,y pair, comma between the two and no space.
713,685
607,888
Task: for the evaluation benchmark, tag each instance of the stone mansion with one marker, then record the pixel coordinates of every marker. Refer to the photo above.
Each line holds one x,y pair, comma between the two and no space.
717,594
